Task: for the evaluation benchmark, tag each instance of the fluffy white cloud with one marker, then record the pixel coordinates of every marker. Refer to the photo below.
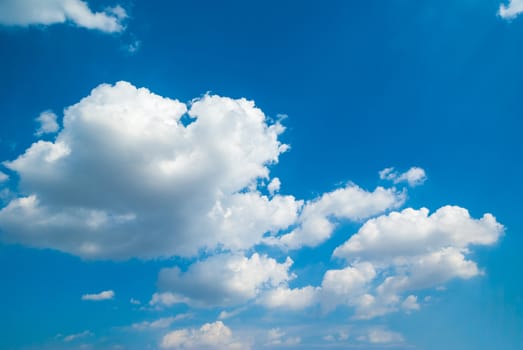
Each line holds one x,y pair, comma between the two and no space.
209,336
47,12
392,256
126,177
318,217
225,279
105,295
291,299
415,176
48,124
3,177
413,232
274,186
514,8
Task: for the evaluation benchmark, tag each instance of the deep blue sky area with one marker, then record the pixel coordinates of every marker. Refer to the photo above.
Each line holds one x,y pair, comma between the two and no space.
363,85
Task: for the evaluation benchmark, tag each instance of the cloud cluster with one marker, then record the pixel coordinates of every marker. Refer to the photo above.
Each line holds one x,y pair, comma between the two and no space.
512,10
133,174
47,12
415,176
209,336
394,255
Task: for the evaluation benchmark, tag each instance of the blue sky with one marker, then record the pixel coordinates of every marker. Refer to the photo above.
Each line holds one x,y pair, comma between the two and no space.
261,175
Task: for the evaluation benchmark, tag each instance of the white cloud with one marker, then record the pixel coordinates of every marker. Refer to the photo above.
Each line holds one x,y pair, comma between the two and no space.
167,299
161,323
225,279
381,336
209,336
47,12
392,256
514,8
274,186
277,337
415,176
413,232
126,178
134,301
318,217
3,177
72,337
105,295
290,299
48,124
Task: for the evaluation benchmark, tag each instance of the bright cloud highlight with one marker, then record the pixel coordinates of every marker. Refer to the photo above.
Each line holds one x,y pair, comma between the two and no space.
47,12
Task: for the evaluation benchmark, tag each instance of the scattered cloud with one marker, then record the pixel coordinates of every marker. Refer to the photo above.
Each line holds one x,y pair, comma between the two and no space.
135,301
105,295
73,337
318,217
512,10
381,336
277,337
160,323
77,12
48,124
3,177
209,336
415,176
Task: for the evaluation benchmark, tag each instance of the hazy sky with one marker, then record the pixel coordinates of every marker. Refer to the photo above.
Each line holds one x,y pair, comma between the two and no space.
261,175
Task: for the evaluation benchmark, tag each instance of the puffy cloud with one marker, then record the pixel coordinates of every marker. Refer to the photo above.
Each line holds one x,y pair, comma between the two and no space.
209,336
274,186
48,124
318,217
126,177
514,8
415,176
393,255
105,295
291,299
3,177
413,232
225,279
47,12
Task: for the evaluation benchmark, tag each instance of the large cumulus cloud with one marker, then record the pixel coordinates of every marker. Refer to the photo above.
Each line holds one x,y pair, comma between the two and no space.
134,174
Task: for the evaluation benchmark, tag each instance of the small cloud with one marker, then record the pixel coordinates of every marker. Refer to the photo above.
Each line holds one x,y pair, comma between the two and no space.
274,186
381,336
276,336
105,295
415,176
3,177
72,337
514,9
133,47
48,124
160,323
134,301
